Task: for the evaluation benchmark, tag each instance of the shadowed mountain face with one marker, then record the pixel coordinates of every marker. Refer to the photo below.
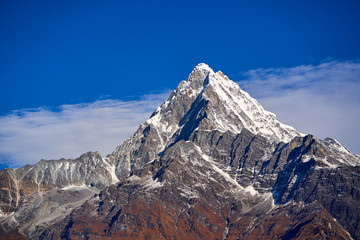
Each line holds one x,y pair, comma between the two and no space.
210,163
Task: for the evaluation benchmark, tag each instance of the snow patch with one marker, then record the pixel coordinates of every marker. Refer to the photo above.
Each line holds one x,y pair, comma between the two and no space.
75,187
111,170
328,163
188,192
251,190
147,181
152,184
306,158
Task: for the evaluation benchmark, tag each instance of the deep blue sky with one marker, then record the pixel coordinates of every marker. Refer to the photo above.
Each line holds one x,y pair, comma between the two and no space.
65,52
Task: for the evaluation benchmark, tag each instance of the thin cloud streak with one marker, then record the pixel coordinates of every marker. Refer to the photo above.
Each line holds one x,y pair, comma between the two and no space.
319,99
27,136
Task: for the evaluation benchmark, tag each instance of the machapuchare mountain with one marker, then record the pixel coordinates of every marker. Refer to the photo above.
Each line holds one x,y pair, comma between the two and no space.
210,163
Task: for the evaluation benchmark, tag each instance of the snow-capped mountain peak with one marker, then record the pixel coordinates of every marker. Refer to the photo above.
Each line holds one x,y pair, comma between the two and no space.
204,102
226,106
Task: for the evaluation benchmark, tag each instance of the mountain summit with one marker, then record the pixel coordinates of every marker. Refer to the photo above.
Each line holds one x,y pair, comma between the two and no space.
210,163
219,103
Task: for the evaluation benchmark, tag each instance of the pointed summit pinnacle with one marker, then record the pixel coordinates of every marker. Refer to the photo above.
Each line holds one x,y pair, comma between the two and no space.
203,66
202,69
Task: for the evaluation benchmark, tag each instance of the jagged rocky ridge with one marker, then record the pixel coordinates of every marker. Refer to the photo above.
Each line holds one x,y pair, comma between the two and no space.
210,163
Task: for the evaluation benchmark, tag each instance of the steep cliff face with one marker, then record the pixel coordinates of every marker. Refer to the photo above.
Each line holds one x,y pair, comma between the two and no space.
210,163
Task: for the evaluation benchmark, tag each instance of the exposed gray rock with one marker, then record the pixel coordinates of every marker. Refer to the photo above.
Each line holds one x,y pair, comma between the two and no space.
33,197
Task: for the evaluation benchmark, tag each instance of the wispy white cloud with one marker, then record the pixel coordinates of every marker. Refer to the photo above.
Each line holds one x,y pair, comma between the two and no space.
320,99
29,135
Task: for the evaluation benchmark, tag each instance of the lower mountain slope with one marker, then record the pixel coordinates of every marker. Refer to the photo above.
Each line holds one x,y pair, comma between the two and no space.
187,194
34,197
